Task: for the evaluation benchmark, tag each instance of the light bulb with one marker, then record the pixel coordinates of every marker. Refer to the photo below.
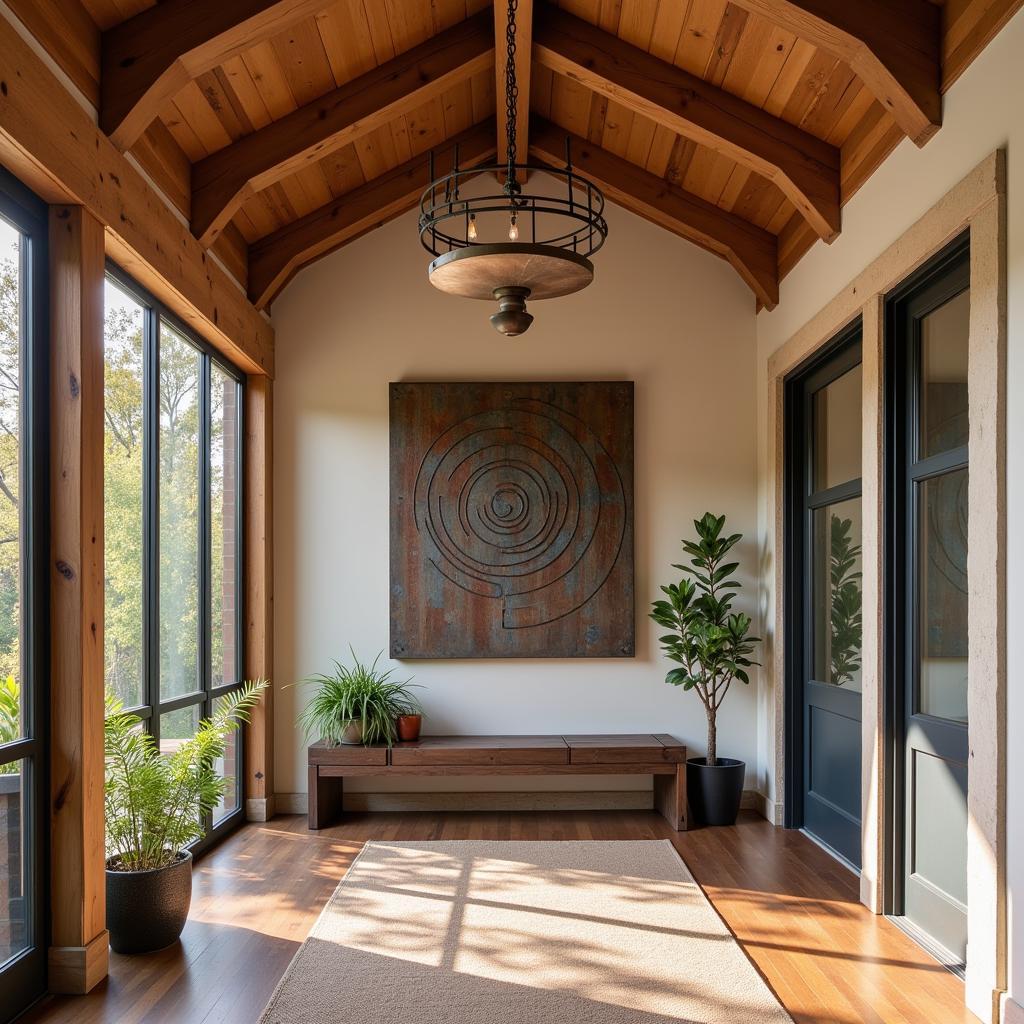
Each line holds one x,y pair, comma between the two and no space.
513,230
471,233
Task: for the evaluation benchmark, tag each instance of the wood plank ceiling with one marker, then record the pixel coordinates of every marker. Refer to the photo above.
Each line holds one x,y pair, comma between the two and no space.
283,129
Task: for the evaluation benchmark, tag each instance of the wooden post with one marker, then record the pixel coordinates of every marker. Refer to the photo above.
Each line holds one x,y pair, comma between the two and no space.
259,593
78,951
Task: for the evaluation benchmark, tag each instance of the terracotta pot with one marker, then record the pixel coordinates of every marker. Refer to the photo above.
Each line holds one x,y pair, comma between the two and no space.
409,727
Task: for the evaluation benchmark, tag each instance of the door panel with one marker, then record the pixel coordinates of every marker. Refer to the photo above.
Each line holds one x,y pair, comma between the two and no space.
928,324
823,591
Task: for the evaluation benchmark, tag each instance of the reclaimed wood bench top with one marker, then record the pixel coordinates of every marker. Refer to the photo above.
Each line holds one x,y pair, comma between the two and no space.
569,750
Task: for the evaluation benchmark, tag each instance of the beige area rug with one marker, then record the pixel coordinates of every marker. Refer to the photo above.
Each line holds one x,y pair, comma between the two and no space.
478,932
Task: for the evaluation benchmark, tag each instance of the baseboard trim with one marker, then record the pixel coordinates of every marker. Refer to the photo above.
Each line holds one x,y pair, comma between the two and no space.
531,800
76,970
1011,1012
262,808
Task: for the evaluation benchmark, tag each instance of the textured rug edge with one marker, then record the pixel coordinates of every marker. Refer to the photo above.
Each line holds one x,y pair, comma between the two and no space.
725,924
323,910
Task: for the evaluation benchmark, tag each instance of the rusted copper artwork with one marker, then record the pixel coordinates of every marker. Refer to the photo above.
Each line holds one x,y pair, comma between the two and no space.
512,520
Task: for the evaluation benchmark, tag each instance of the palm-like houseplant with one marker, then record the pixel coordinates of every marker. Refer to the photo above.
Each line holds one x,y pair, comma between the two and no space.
360,704
712,647
155,806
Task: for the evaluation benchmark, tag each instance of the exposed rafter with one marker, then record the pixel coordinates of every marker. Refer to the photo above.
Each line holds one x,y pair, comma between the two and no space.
149,57
523,56
804,168
222,182
748,248
893,46
273,259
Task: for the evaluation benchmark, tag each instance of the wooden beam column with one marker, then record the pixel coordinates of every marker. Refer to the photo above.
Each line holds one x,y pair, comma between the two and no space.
258,517
78,950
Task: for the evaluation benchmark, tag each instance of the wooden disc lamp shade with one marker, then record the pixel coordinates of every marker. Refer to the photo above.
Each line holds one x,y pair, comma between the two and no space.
543,243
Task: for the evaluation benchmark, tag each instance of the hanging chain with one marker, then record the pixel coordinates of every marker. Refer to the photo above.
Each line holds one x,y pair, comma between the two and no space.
511,96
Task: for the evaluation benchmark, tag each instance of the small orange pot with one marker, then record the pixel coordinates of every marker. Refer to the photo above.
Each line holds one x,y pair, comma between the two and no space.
409,727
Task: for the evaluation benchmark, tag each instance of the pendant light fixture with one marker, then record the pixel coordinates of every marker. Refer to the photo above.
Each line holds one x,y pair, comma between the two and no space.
511,246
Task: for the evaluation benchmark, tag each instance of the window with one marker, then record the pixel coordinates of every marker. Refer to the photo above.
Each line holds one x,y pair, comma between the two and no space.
172,483
24,542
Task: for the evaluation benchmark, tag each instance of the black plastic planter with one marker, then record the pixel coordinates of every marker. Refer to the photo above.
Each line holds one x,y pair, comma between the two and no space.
715,791
147,910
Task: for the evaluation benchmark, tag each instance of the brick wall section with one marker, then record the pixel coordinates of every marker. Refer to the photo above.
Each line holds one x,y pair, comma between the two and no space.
12,920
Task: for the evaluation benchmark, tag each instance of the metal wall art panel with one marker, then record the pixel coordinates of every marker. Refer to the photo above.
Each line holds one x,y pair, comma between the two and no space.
512,520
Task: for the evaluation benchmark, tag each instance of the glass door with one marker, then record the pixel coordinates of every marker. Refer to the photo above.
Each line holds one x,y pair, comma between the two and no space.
24,538
929,331
823,594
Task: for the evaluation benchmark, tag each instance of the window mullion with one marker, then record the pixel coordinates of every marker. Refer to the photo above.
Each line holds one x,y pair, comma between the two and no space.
151,513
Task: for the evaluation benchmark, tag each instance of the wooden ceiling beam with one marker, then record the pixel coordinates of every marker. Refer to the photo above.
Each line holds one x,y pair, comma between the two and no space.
893,46
523,59
223,181
55,147
749,249
151,56
274,259
804,168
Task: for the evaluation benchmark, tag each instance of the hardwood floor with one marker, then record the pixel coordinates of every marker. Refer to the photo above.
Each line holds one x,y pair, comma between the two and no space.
792,907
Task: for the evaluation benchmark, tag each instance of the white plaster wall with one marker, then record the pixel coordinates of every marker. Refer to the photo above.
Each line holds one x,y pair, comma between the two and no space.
674,319
981,113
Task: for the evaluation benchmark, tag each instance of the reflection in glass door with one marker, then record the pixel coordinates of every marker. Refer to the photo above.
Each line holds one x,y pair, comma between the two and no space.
23,539
823,593
929,330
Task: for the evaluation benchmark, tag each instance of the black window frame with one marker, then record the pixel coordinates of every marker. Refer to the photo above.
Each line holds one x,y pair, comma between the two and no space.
155,313
23,978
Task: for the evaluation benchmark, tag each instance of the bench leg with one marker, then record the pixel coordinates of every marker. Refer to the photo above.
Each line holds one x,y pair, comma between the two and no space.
670,797
325,799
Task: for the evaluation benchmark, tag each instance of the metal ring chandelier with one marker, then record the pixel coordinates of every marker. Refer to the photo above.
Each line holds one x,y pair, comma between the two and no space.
549,238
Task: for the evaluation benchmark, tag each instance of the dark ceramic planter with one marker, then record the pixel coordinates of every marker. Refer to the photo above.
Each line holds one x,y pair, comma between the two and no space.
147,910
715,791
409,727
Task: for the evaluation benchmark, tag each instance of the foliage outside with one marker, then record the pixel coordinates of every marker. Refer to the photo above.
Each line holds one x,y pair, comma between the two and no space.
10,485
361,693
177,466
155,804
10,719
844,582
709,642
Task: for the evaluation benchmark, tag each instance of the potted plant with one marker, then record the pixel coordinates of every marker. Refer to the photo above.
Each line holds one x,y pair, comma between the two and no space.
357,705
409,722
711,645
155,806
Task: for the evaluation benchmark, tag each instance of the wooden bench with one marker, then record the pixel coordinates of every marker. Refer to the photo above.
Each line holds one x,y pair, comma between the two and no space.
659,755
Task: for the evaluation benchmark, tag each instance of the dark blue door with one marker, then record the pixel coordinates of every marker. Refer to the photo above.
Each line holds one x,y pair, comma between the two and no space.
824,599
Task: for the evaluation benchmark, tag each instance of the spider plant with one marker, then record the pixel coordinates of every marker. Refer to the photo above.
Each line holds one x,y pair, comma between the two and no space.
361,694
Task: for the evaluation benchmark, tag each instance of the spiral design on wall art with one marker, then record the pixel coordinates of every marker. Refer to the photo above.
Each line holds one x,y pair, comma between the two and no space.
524,505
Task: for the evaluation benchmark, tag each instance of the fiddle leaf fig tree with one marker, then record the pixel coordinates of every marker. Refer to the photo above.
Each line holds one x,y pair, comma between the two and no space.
709,642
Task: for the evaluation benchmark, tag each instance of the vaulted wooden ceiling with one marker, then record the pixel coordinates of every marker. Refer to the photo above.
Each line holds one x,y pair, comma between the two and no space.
282,129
